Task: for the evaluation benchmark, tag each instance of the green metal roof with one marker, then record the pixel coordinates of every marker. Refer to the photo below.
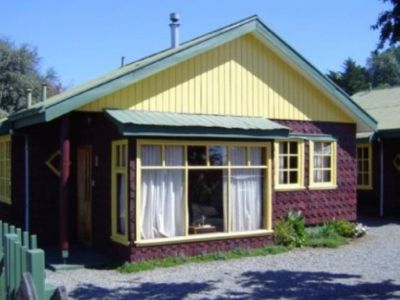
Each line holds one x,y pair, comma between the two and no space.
76,97
144,123
383,105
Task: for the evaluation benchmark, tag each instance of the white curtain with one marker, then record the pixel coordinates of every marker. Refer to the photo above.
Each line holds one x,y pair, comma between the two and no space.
162,203
246,199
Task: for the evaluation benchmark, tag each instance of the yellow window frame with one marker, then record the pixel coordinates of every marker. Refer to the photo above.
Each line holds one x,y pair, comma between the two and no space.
299,185
5,169
332,184
368,185
119,165
267,204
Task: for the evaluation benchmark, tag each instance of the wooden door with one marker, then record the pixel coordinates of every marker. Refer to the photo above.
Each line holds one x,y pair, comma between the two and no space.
84,186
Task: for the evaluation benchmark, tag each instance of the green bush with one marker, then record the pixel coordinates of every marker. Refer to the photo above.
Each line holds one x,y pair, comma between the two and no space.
290,230
345,228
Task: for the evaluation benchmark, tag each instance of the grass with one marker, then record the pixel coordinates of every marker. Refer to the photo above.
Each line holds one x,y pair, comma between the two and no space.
324,236
176,261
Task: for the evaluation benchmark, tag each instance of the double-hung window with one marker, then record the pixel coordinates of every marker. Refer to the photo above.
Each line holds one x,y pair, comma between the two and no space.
289,165
322,164
5,169
186,189
364,166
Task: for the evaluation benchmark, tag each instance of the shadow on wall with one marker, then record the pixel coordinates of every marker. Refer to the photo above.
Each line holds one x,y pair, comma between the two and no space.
255,285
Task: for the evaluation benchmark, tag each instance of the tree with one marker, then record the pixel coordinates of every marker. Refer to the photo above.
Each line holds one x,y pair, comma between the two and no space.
389,24
19,70
352,79
384,68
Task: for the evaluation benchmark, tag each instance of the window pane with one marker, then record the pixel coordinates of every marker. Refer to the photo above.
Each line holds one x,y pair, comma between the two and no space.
218,155
293,147
317,148
283,147
359,152
318,162
284,162
293,163
174,155
207,201
327,148
318,176
257,156
246,199
162,203
359,166
151,155
197,155
365,152
123,156
326,176
121,204
365,179
118,156
293,177
327,161
365,165
359,179
283,177
238,156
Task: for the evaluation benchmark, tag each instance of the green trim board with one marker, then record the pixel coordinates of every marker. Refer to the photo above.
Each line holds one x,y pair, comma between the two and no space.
143,123
74,98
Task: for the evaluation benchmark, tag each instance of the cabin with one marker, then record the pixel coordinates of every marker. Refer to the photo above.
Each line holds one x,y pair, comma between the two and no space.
198,148
378,154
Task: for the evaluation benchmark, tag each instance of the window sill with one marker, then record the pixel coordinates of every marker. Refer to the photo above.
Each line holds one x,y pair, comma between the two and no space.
202,237
120,240
5,202
365,188
289,188
323,187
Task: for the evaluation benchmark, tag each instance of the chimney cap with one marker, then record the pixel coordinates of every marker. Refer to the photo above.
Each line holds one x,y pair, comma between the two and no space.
174,17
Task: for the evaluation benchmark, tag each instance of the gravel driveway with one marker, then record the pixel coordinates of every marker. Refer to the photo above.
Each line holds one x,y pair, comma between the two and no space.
368,268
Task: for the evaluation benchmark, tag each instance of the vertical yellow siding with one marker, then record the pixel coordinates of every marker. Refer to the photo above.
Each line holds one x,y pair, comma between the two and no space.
242,77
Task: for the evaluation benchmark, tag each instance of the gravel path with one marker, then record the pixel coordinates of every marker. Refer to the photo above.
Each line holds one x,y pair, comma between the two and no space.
368,268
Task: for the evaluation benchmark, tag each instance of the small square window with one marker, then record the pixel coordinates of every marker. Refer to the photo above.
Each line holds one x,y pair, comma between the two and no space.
151,155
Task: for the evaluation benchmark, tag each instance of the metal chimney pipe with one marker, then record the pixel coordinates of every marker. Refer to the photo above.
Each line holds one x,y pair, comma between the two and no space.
29,98
44,92
174,17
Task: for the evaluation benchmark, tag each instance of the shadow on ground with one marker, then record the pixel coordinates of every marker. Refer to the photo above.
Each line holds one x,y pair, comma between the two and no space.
167,291
255,285
310,285
378,222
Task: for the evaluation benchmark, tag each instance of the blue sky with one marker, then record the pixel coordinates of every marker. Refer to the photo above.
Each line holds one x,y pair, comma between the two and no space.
85,39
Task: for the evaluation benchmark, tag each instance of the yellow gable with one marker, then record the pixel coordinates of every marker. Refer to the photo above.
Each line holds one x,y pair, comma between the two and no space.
242,77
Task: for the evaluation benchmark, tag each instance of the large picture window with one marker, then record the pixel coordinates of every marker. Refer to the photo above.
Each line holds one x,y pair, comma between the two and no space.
364,166
289,165
188,189
322,164
5,169
119,191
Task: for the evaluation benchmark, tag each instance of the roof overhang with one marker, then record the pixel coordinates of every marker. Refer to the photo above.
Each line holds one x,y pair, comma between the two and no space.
161,124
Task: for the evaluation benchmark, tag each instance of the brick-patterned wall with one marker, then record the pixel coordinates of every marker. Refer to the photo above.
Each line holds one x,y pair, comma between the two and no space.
321,205
317,205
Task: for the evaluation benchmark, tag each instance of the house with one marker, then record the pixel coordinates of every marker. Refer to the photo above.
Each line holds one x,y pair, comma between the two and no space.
196,148
378,154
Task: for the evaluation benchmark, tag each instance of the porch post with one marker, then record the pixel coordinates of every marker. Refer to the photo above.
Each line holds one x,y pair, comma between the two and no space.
64,177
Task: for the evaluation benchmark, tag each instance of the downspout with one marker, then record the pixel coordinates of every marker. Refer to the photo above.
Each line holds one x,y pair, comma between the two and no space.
382,192
26,200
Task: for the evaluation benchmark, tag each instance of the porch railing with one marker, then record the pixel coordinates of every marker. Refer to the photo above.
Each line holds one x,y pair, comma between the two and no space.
19,254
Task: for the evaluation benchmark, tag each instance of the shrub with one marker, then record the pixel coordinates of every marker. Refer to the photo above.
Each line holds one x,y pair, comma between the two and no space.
345,228
290,231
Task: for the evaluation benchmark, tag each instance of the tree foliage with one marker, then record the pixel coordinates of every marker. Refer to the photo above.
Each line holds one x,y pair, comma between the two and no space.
389,24
382,70
352,79
20,70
